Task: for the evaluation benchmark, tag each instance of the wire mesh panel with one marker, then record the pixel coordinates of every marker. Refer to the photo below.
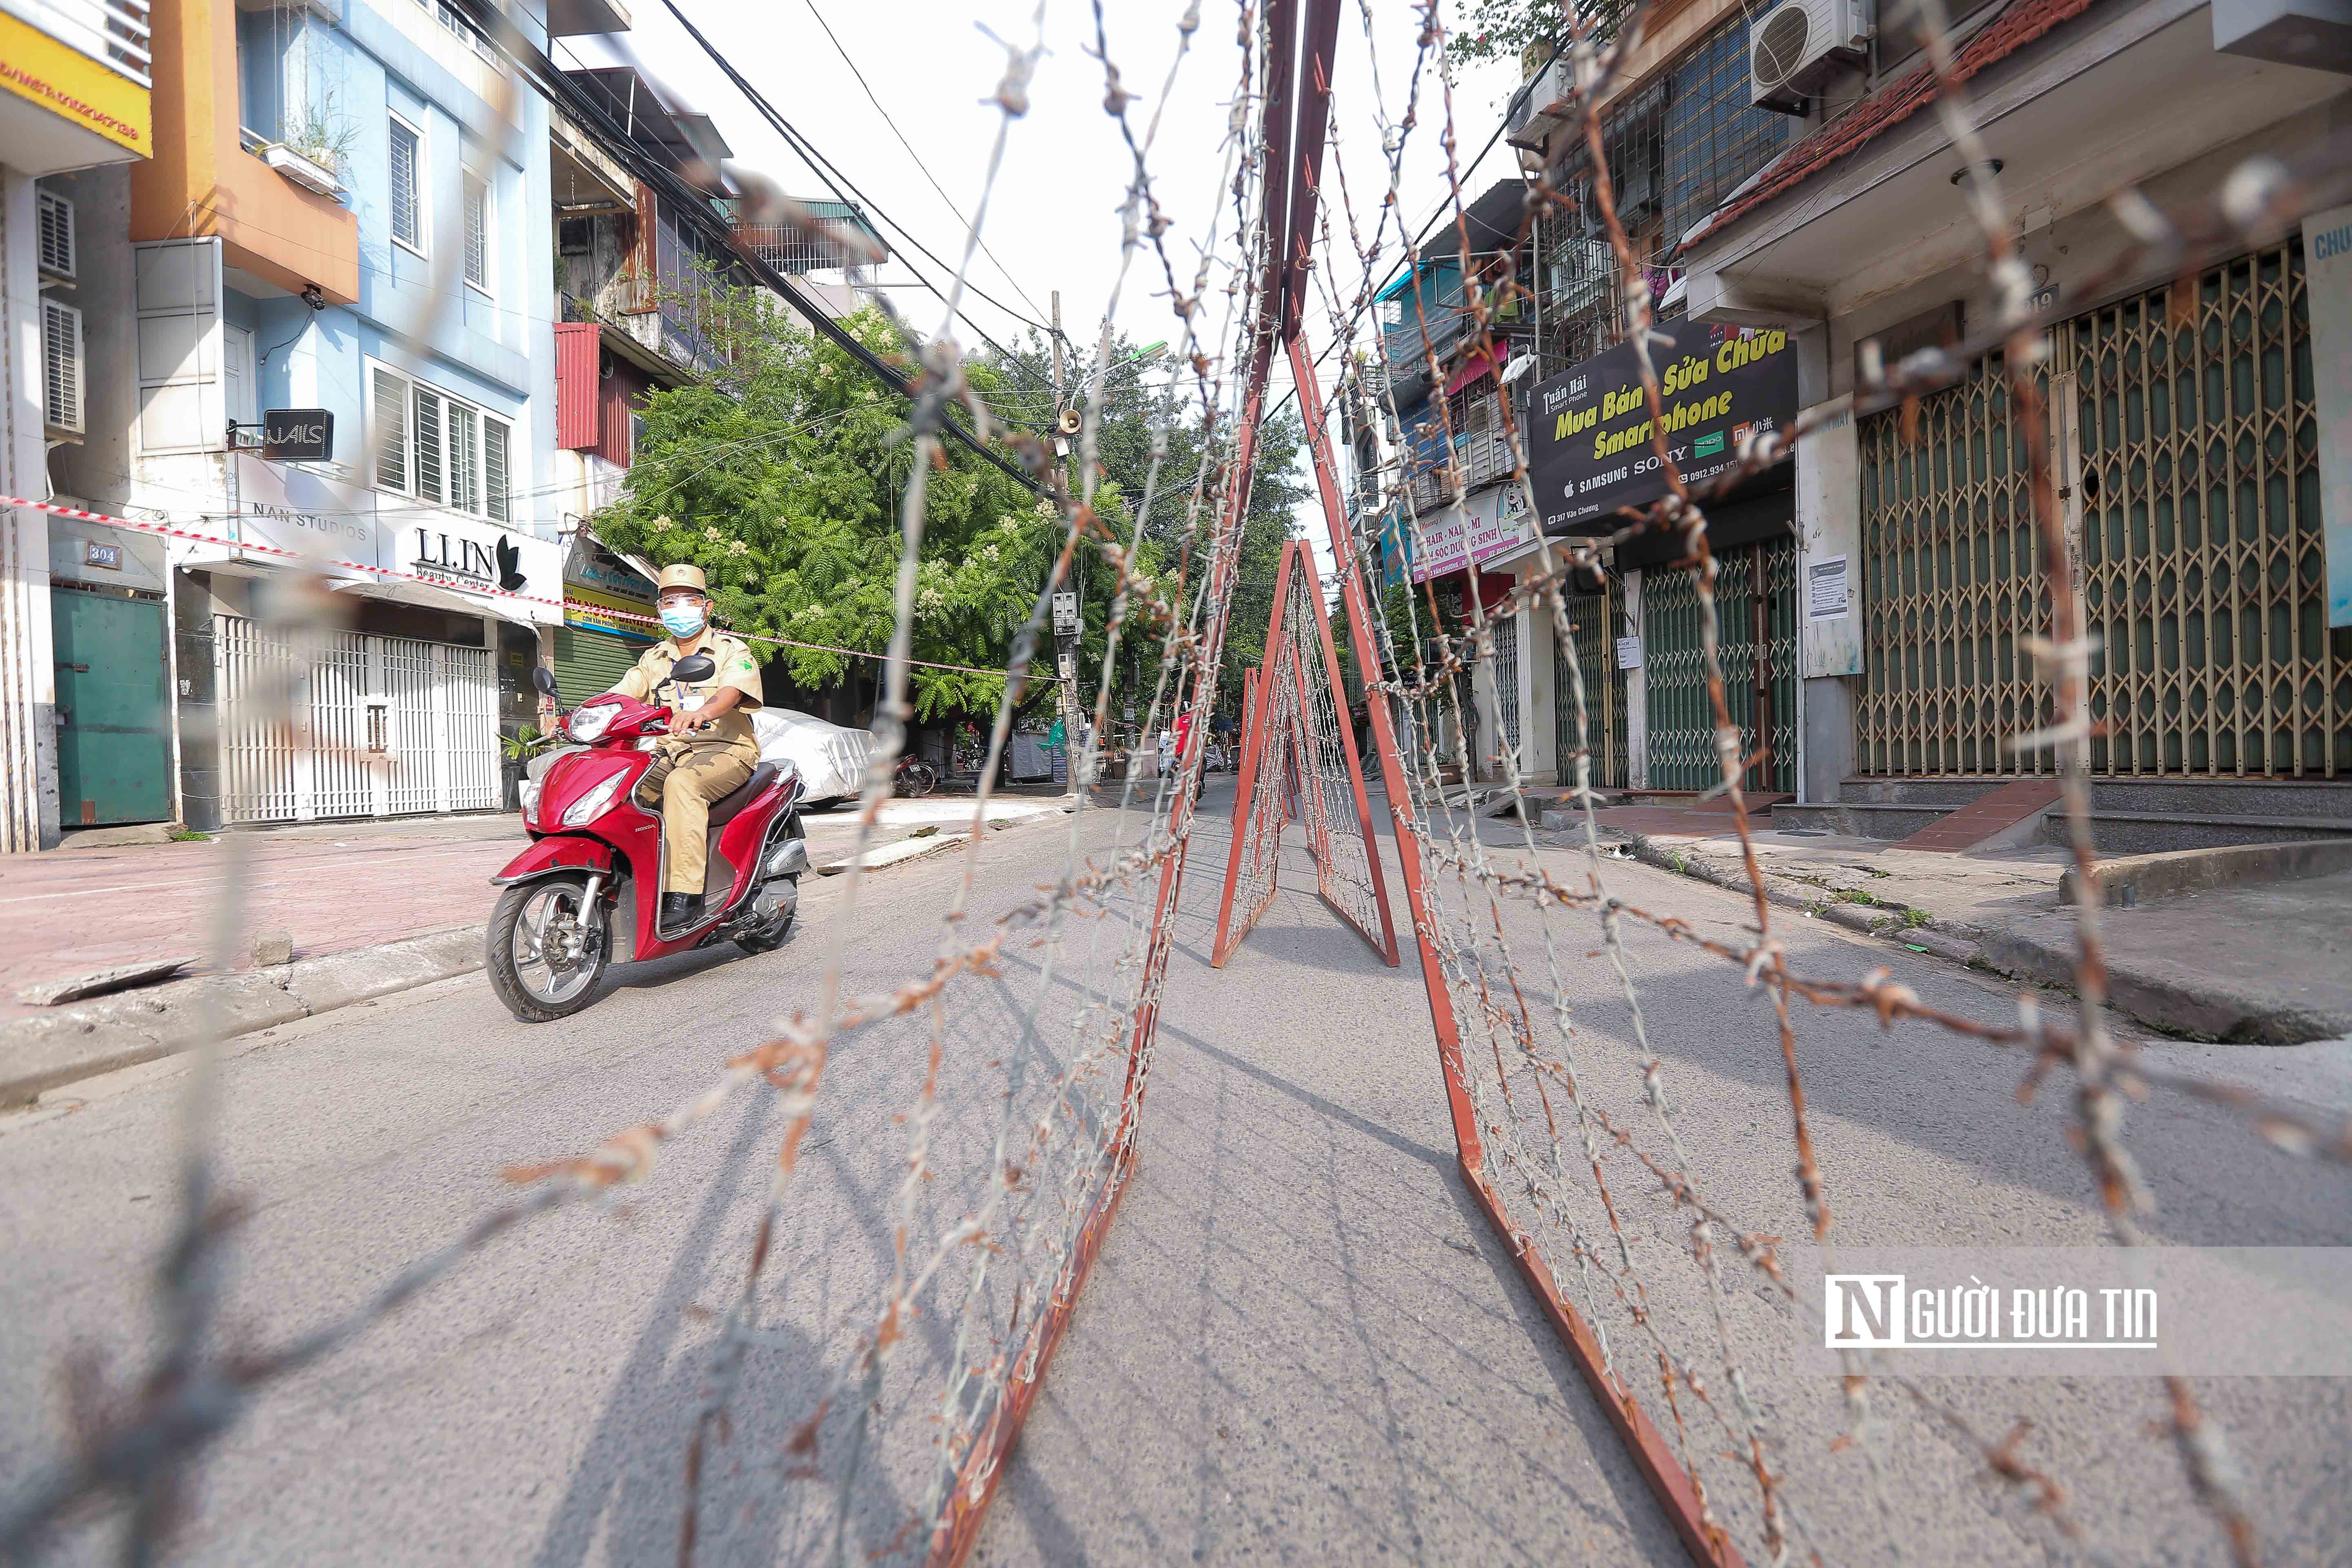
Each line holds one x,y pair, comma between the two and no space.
2203,563
470,739
408,688
257,754
1260,805
1299,763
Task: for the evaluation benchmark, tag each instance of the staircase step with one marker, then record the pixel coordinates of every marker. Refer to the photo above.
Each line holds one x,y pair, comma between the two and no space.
2153,832
1987,815
1889,823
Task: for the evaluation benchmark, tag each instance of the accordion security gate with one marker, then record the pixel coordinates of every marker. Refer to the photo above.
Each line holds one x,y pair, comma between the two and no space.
2191,446
1680,718
1592,620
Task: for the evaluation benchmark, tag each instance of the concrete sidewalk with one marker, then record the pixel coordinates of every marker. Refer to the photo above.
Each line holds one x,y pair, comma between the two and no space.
2254,965
333,887
369,907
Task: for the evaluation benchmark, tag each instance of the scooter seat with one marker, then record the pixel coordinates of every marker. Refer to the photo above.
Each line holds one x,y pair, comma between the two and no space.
724,808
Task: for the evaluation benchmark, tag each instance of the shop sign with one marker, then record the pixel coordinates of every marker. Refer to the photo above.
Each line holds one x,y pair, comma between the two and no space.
603,612
298,436
1493,522
482,557
307,513
1589,447
2327,243
588,564
58,77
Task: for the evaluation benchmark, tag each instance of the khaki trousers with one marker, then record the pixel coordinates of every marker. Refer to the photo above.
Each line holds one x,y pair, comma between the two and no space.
683,781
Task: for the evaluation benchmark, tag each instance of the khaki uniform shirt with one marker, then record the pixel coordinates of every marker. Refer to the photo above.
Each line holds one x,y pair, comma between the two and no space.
650,682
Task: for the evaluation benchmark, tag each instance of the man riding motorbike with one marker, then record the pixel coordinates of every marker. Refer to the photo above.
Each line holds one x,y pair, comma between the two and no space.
711,751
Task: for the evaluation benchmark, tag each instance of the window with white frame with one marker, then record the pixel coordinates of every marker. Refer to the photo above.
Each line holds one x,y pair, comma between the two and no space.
438,448
462,27
478,231
406,198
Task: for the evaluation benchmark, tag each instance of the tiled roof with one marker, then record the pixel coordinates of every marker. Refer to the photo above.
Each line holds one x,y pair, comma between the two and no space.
2023,22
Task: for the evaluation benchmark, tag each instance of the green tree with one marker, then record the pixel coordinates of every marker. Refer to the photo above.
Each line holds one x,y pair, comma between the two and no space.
1502,29
1134,403
782,476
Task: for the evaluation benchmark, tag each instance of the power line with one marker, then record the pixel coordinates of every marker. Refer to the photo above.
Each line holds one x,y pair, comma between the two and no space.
917,157
825,168
561,89
844,190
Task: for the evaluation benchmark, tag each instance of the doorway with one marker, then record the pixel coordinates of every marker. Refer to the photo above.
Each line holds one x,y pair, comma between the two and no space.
114,711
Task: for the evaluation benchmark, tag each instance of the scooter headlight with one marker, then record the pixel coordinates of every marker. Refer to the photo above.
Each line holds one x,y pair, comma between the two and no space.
596,803
591,719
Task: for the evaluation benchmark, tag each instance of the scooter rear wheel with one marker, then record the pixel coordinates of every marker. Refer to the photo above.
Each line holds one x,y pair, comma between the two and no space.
546,950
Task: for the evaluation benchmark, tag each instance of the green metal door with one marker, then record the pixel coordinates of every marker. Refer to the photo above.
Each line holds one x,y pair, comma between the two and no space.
1757,648
589,662
1592,619
114,709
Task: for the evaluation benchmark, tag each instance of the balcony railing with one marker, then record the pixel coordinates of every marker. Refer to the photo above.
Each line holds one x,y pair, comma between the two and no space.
115,33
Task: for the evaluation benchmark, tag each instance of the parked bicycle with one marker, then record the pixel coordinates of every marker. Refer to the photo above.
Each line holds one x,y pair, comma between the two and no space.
916,777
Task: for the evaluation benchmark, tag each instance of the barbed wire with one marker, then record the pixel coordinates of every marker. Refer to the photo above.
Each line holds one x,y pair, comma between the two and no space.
1060,1145
1474,955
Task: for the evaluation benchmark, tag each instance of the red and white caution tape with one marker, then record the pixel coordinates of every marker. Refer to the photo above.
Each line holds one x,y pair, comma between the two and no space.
168,531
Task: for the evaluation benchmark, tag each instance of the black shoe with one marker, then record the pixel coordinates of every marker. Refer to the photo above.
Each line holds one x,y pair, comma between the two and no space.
679,910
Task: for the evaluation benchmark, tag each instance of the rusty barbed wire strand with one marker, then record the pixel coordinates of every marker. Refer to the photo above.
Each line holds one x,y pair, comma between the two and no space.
1041,1180
2256,198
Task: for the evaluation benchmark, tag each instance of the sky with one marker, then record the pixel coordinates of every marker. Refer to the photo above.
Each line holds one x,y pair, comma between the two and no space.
1052,221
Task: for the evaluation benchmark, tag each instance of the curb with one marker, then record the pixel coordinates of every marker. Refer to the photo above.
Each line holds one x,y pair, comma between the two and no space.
64,1045
1959,943
2211,1013
2204,1012
2127,879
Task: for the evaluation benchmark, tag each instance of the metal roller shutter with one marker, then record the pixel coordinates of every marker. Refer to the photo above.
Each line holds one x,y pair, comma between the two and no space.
589,662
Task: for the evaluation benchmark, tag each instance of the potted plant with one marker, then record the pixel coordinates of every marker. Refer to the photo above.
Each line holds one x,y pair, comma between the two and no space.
313,147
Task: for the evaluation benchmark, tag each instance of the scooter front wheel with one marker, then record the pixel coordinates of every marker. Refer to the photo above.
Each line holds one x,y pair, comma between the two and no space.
546,949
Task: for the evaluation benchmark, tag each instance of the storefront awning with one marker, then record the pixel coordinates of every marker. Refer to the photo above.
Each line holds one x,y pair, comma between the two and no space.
432,598
1478,364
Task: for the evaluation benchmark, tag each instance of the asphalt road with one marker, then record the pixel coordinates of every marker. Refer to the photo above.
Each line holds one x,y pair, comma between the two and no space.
1300,1341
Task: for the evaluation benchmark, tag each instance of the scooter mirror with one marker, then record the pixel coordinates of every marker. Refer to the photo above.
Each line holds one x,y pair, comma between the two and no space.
694,667
544,677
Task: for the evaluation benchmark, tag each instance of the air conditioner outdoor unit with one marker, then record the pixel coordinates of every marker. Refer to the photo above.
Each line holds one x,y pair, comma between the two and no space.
1800,44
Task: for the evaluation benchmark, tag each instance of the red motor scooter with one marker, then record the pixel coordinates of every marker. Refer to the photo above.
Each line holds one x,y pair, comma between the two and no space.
587,894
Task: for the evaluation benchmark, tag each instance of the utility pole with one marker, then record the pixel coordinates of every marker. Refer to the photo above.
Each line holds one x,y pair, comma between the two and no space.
1066,612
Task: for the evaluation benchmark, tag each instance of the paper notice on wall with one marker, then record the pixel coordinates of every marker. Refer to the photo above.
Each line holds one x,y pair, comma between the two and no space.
1825,589
1629,653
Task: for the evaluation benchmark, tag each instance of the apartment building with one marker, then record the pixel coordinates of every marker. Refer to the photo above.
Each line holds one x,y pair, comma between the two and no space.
327,225
84,727
637,264
2199,421
1792,197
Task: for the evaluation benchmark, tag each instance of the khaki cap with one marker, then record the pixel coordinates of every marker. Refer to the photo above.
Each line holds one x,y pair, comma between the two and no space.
683,574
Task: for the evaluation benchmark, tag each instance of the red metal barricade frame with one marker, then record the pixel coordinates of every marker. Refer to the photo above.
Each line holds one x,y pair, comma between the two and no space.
1290,747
